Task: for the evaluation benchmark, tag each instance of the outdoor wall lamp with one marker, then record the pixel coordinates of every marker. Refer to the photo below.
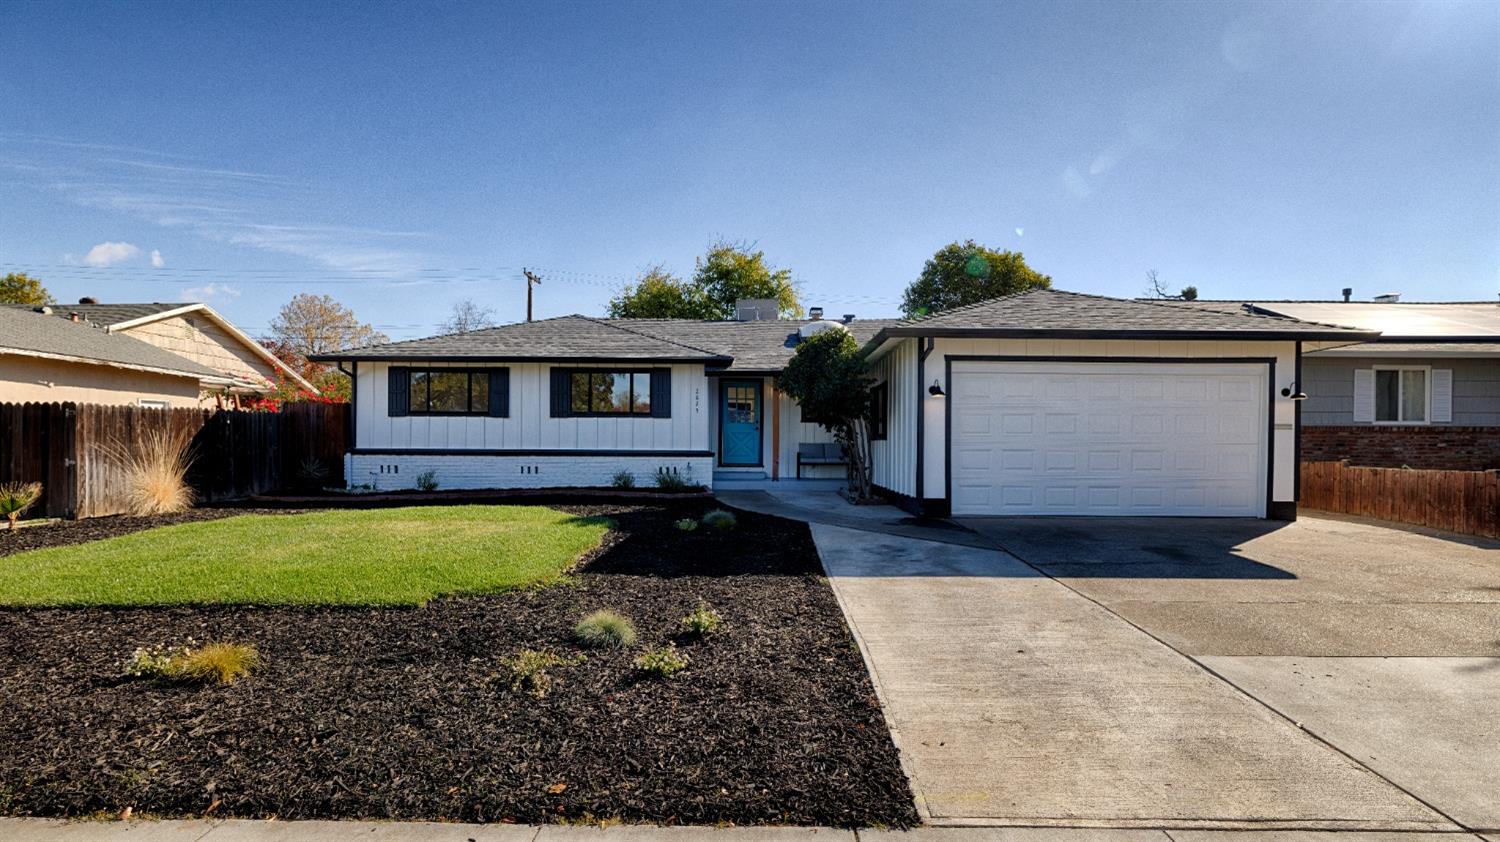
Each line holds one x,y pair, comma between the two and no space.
935,390
1292,392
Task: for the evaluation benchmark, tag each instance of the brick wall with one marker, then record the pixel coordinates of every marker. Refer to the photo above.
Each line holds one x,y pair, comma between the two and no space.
391,473
1429,448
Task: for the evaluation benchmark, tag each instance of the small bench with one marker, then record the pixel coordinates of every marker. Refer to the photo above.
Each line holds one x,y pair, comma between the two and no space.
829,453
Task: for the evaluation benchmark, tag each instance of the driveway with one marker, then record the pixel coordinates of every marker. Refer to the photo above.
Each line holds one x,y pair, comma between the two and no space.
1153,673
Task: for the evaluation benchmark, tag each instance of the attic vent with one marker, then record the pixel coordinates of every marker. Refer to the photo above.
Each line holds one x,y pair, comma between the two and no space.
756,310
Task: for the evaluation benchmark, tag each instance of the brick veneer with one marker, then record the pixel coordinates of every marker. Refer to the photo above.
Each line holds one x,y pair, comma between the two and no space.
1431,448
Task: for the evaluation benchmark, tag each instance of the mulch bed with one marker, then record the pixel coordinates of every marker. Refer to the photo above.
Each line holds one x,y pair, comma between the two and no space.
67,532
410,713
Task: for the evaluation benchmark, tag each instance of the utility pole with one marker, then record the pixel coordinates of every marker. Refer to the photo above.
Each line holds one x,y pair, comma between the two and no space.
532,279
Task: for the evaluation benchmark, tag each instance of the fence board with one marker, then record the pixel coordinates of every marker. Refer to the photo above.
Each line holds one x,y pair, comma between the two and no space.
1456,501
72,448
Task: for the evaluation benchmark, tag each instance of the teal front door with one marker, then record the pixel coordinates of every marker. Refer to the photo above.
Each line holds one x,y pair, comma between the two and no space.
739,423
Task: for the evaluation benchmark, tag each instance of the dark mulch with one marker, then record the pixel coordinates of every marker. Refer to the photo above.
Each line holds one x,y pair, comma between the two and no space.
409,713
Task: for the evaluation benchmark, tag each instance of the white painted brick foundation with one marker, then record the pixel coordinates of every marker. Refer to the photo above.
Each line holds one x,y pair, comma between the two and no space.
390,473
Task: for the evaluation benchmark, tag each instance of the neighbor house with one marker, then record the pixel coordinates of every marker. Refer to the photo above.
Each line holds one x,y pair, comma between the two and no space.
1424,394
46,359
196,332
1045,402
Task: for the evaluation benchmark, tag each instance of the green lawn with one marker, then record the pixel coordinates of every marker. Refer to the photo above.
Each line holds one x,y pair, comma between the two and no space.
376,557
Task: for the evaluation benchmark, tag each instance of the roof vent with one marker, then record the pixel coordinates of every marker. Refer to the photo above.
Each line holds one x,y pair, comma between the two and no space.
1348,292
815,313
812,329
848,317
1388,298
756,310
88,299
44,310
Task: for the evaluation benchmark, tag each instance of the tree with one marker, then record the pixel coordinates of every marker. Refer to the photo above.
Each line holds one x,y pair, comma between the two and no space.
1156,290
966,273
724,275
467,316
315,324
827,376
20,288
658,294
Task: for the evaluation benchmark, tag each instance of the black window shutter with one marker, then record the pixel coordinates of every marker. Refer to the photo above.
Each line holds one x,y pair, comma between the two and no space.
562,392
499,393
399,378
661,393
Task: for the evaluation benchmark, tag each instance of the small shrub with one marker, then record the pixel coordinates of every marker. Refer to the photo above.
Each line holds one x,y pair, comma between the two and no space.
703,622
155,473
668,481
17,497
427,481
687,524
662,663
623,479
312,472
212,663
528,670
605,629
720,520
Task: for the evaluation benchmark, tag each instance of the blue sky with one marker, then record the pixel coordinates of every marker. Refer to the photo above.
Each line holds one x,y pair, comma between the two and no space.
402,157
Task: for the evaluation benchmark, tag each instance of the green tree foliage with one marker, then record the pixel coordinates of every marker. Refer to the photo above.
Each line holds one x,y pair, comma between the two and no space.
966,273
20,288
827,376
724,275
658,294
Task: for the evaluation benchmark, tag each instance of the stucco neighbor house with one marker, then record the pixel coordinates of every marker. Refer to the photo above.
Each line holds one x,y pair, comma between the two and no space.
196,332
1045,402
1425,394
46,359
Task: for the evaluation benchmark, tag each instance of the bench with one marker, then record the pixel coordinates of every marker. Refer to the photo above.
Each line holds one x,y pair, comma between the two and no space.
829,453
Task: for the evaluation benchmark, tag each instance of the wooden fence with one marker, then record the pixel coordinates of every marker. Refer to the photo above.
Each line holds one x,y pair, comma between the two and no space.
1458,501
74,449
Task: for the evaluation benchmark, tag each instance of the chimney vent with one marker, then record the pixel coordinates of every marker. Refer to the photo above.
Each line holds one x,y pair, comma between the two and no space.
1348,292
73,316
815,313
756,310
1388,297
848,317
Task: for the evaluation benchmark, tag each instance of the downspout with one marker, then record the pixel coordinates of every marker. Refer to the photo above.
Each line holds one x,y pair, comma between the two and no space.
1297,430
349,425
925,346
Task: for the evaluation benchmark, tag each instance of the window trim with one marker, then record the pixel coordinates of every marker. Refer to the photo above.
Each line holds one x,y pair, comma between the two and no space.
633,372
471,412
1400,395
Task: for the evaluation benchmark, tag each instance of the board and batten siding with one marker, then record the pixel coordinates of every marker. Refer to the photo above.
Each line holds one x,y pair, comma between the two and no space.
1283,410
894,460
1329,383
530,425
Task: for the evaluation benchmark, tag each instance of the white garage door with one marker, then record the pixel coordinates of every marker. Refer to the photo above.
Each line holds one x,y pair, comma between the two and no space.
1109,439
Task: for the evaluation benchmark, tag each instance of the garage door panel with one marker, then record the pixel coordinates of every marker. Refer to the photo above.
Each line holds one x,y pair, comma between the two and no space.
1123,439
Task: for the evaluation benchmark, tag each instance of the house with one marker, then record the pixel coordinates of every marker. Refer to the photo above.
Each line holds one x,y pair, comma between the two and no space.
46,359
1045,402
197,332
1424,394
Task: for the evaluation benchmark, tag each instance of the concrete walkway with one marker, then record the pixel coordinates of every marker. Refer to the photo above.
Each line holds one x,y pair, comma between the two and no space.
48,830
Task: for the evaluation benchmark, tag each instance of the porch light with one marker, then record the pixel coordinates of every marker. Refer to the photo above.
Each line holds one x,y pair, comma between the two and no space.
936,390
1293,393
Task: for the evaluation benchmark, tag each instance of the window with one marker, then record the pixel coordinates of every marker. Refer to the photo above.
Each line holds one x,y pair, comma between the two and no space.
610,393
879,399
449,391
1401,396
147,403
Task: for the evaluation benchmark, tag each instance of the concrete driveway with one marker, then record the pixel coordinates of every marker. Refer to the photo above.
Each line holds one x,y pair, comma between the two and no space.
1153,673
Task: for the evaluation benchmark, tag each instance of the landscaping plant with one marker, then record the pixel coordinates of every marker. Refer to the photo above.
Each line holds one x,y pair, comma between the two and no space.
662,663
623,479
687,524
720,520
17,497
703,622
155,472
427,481
211,663
312,473
528,669
605,628
670,481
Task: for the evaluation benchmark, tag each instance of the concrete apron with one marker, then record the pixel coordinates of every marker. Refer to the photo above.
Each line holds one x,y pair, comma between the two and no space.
1017,702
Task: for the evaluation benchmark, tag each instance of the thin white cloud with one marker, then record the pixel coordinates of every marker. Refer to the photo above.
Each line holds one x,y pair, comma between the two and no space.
110,253
210,291
1075,182
1020,232
156,259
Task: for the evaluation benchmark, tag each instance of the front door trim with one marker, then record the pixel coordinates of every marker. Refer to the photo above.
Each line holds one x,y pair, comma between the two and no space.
724,385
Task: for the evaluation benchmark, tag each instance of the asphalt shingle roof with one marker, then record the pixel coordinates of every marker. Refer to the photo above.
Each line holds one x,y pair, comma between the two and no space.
105,315
759,346
564,338
28,332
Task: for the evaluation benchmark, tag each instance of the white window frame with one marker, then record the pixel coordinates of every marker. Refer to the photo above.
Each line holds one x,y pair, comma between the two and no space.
1400,395
150,403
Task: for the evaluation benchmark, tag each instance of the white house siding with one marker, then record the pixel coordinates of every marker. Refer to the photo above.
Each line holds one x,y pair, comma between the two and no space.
894,461
386,448
1283,487
794,431
197,338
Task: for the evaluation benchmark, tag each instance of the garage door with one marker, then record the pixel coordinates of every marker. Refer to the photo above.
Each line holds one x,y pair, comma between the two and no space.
1108,439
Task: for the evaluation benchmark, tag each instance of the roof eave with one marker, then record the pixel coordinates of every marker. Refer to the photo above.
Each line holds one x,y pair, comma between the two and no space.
1056,333
512,358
